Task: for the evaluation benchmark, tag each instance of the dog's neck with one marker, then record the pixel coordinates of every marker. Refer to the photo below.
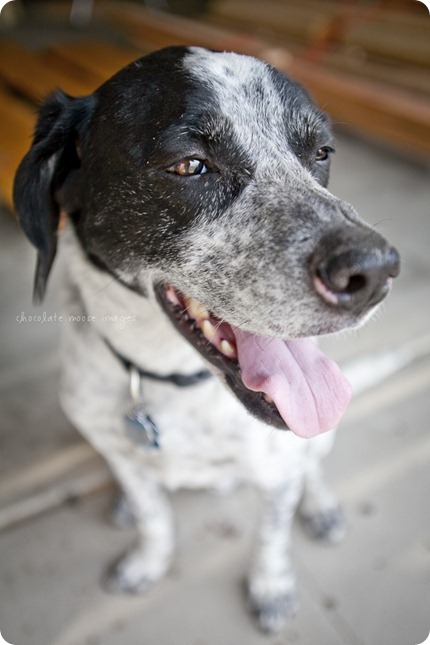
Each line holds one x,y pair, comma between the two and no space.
133,324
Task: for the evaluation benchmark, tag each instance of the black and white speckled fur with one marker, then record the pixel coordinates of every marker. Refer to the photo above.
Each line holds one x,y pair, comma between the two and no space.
238,239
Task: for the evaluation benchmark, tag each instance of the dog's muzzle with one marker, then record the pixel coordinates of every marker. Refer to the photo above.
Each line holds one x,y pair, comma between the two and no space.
287,383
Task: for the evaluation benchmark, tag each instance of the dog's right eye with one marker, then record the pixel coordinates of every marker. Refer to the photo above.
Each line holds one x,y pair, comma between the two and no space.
324,153
189,168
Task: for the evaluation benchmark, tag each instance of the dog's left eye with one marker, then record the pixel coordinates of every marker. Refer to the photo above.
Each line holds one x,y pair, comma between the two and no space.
323,153
189,167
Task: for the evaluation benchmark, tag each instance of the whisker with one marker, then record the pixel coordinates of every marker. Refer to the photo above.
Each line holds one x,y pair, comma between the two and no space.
245,322
219,323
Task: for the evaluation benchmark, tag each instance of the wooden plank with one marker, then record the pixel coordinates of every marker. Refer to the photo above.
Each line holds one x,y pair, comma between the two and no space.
73,472
387,114
29,73
403,77
98,57
298,22
155,29
16,128
77,68
391,41
377,31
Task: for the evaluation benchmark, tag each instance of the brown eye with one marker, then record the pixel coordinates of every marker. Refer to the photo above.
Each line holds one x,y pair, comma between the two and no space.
189,167
323,153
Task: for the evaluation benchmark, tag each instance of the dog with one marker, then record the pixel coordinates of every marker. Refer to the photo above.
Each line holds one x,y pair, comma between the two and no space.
203,253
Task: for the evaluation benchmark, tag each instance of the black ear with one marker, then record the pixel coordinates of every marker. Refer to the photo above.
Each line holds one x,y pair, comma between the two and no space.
52,155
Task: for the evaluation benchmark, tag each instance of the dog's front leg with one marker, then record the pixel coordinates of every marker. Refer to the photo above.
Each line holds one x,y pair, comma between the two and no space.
146,563
271,583
319,510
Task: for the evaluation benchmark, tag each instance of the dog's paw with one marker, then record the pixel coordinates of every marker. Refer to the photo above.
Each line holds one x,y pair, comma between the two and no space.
273,603
120,514
135,573
327,526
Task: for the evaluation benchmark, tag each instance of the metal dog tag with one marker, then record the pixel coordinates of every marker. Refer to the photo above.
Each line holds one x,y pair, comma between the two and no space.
141,428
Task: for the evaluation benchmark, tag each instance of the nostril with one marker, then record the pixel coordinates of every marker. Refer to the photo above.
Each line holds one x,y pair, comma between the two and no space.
356,283
342,280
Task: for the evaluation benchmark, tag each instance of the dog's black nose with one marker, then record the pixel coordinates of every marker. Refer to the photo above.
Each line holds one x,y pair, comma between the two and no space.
354,273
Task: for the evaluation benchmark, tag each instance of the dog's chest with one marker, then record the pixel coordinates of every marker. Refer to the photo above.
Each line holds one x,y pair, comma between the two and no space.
208,440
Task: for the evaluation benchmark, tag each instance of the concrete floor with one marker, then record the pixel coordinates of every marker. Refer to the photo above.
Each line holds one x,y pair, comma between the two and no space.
373,589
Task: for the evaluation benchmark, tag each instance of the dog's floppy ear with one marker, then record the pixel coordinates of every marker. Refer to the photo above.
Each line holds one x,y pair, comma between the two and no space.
53,154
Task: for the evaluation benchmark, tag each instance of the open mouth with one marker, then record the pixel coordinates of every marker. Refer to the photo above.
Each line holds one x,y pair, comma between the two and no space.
286,383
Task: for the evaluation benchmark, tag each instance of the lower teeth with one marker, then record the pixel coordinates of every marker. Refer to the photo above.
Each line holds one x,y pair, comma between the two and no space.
199,315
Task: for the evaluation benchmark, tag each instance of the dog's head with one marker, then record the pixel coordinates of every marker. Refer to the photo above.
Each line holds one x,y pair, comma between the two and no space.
201,177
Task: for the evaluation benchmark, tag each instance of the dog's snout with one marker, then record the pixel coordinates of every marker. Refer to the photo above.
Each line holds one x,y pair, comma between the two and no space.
355,275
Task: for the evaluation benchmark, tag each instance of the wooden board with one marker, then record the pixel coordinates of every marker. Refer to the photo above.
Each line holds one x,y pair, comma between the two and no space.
388,114
95,56
30,74
155,29
16,128
378,31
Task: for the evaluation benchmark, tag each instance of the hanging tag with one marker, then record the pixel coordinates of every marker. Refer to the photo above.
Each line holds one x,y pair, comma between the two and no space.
141,428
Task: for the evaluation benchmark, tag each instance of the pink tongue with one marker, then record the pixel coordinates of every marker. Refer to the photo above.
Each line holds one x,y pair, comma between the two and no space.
308,388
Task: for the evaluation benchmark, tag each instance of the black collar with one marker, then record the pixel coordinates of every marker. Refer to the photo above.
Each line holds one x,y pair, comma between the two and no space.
180,380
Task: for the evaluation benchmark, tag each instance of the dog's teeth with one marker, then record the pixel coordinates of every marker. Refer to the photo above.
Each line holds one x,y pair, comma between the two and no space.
227,349
196,310
172,297
268,398
208,329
